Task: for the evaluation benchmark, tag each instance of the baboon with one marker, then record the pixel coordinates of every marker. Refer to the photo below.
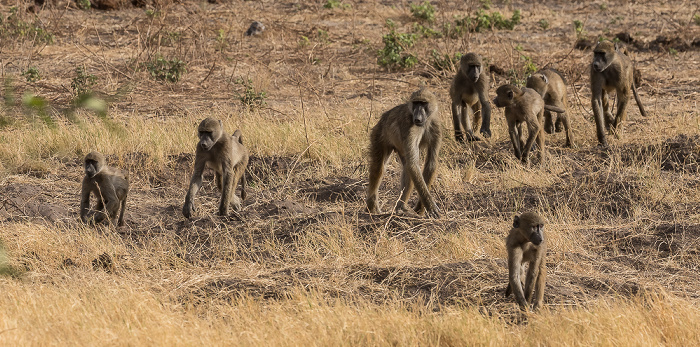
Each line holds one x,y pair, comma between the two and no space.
551,86
227,156
526,244
110,186
611,70
407,129
523,105
256,28
469,93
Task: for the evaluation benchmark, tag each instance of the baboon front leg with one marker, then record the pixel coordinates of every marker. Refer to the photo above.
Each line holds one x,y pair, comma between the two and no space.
467,115
195,184
457,114
217,178
533,130
227,191
485,108
429,170
406,188
476,112
600,122
121,214
539,287
515,258
514,138
607,110
422,188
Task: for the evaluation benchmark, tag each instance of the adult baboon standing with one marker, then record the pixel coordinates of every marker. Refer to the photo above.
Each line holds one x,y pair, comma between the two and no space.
407,129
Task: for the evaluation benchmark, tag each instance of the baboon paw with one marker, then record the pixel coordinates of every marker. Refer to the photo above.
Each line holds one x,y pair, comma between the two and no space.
486,133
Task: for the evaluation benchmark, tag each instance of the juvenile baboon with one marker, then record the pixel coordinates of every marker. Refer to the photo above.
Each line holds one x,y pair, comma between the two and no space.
526,244
227,156
551,86
469,93
407,129
523,105
110,186
611,70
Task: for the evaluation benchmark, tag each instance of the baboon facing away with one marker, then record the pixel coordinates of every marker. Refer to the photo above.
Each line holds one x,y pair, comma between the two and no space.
526,245
523,105
611,70
227,156
110,186
407,129
469,93
551,86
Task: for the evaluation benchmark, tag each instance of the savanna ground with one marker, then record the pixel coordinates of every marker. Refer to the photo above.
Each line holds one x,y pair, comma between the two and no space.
306,265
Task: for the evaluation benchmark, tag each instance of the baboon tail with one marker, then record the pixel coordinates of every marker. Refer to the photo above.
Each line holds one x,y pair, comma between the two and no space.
238,135
639,102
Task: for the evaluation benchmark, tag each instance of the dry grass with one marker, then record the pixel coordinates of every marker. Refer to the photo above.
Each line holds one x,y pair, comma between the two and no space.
308,266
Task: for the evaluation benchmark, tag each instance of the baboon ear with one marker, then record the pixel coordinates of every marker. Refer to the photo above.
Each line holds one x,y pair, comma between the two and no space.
510,96
516,222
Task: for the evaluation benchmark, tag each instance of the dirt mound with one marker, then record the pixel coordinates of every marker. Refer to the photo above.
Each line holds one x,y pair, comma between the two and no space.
30,201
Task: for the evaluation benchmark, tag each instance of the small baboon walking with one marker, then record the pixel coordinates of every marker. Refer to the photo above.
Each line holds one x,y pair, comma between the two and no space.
470,98
227,156
526,245
110,186
407,129
523,105
552,87
611,70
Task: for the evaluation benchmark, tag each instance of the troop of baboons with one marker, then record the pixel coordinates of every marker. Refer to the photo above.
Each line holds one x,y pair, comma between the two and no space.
410,129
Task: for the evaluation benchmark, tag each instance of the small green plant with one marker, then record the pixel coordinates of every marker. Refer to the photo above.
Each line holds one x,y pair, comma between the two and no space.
578,28
331,4
250,97
152,13
83,82
495,20
169,70
32,74
696,19
544,24
444,61
322,36
485,4
39,105
221,41
15,27
304,41
529,66
393,54
83,4
603,6
424,11
426,31
672,51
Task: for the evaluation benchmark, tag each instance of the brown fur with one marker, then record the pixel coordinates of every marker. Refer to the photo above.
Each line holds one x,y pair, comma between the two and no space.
611,70
470,98
407,129
551,86
110,186
227,156
523,105
522,246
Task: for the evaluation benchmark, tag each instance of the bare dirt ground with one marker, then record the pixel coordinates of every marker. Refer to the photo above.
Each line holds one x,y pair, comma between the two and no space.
623,221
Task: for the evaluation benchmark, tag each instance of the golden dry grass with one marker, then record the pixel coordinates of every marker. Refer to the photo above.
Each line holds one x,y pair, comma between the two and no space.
308,266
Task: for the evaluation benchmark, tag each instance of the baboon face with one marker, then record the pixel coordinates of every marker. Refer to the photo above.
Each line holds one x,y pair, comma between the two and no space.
209,133
94,162
603,55
505,95
471,65
420,112
531,226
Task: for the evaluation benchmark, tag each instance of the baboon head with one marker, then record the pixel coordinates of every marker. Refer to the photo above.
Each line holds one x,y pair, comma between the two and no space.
603,55
423,104
94,163
505,95
471,65
531,226
538,82
210,131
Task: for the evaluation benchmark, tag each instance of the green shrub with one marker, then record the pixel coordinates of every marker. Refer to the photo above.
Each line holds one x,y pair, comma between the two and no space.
393,54
544,24
331,4
424,11
83,82
170,70
251,97
15,27
444,61
32,74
